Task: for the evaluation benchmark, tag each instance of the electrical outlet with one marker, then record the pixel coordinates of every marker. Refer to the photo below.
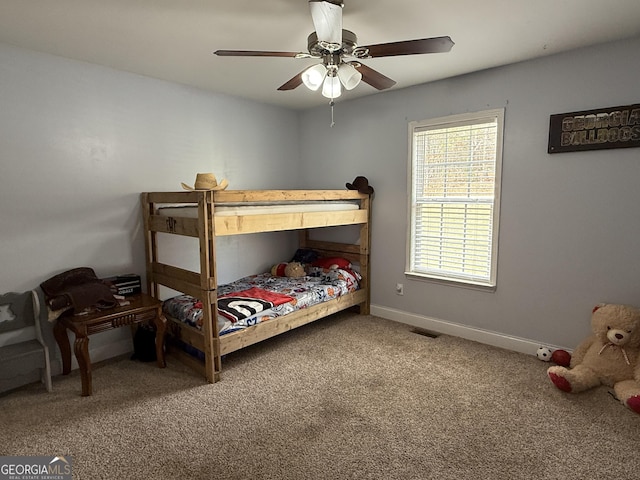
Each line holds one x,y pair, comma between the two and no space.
399,289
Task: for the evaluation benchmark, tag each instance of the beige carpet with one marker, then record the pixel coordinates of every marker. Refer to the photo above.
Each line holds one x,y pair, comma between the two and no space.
348,397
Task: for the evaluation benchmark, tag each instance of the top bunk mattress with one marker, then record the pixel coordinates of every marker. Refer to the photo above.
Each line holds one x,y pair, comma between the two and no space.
238,209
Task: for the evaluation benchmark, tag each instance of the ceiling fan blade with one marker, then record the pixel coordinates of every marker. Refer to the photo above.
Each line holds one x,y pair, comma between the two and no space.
254,53
373,77
295,82
327,20
411,47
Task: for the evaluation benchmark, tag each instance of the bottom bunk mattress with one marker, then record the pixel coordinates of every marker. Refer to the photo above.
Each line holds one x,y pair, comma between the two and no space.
262,297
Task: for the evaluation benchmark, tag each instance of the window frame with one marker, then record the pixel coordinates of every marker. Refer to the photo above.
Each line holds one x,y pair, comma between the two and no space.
447,122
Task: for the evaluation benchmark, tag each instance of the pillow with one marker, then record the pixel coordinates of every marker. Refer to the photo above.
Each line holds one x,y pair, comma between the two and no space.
328,262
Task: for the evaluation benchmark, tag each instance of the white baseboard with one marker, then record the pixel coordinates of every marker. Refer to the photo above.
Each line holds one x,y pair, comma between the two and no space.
487,337
435,325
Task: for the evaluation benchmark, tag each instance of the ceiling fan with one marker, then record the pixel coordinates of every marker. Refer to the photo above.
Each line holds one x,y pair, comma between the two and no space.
340,54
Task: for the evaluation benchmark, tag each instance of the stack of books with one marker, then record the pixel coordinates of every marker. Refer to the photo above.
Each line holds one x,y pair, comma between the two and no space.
124,285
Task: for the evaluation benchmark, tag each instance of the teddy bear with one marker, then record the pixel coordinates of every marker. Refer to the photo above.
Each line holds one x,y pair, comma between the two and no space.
288,269
609,356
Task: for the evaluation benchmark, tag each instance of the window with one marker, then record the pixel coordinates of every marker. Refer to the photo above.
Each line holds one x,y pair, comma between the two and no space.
455,197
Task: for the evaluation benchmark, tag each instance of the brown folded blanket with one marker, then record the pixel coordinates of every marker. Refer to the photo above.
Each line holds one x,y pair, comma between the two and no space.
78,289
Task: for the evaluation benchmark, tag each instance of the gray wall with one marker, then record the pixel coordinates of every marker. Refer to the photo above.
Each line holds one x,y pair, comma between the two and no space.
569,224
79,142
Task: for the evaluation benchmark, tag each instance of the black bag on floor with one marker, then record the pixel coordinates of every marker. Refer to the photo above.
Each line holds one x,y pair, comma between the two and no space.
144,344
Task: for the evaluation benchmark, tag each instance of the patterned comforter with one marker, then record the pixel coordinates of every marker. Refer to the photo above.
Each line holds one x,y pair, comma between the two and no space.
258,298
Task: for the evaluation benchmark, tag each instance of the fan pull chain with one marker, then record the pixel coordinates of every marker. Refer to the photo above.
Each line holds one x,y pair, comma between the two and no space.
331,104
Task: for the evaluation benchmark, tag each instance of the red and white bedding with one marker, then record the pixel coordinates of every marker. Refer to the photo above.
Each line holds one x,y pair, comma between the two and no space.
262,297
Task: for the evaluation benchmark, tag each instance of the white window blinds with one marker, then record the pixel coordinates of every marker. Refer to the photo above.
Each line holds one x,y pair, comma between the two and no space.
455,181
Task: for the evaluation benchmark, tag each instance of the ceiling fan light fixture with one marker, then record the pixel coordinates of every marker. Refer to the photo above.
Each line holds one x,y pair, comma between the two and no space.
334,46
314,76
349,76
331,87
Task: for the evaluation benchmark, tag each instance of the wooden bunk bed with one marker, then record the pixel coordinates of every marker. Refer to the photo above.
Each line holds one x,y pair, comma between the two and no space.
208,224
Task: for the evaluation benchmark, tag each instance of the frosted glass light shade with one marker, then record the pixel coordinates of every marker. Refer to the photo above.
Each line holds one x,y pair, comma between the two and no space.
349,76
331,87
313,77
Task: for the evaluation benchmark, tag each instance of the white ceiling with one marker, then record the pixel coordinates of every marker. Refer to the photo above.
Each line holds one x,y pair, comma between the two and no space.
174,39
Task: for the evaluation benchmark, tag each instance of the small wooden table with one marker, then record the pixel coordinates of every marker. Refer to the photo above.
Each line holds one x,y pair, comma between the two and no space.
141,308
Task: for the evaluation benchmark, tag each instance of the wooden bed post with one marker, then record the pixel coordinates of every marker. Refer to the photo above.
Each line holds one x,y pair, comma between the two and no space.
150,245
303,238
208,284
365,248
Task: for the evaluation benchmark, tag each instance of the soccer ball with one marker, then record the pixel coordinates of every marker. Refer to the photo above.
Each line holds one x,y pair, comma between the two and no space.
544,354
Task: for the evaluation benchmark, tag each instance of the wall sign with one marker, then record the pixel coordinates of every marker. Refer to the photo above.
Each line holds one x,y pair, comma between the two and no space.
613,127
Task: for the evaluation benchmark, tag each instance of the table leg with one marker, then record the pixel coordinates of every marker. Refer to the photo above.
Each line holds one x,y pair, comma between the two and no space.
81,348
161,326
62,339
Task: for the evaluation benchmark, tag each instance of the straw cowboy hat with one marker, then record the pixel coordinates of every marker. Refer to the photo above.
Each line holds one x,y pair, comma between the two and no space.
206,181
361,184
